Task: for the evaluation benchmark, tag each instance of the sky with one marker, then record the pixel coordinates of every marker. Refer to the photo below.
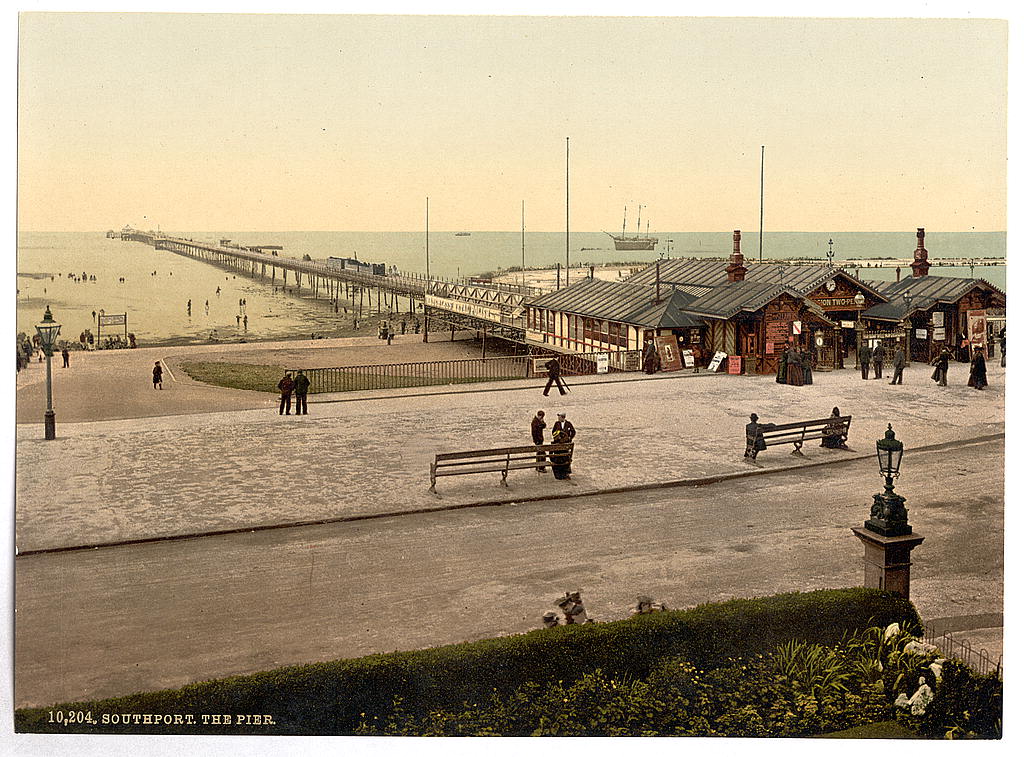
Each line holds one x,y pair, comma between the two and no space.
275,123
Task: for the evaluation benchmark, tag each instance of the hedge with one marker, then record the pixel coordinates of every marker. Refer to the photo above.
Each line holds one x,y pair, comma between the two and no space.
332,698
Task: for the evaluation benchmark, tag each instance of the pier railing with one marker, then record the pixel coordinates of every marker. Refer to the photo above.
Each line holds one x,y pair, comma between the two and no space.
350,378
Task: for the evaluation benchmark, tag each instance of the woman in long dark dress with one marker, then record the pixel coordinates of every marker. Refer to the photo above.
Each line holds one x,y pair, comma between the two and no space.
979,371
794,368
560,461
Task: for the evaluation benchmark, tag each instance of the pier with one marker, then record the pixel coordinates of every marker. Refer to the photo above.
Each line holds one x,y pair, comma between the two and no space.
494,309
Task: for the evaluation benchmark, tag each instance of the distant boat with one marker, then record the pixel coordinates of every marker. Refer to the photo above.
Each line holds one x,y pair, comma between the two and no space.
462,234
623,242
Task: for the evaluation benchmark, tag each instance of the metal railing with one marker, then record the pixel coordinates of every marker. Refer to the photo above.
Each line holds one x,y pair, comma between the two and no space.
978,659
350,378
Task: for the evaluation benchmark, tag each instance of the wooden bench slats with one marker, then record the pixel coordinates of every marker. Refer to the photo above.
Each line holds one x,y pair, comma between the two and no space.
799,432
498,460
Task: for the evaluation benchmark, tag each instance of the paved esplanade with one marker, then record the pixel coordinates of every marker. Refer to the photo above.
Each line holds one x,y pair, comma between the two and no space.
163,476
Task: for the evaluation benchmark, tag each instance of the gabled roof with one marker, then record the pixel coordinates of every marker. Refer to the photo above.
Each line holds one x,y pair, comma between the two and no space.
620,301
924,291
730,298
705,273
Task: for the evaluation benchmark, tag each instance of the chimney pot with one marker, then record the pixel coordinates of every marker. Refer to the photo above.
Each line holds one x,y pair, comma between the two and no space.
920,264
736,270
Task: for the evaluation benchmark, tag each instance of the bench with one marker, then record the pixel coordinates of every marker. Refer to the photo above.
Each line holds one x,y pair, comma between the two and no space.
799,432
499,460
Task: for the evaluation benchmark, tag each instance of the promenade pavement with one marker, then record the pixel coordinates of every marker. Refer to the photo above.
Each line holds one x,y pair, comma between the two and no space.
245,466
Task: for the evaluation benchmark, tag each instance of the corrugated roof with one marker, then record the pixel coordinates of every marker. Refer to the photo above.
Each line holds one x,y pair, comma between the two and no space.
727,300
686,273
620,301
924,291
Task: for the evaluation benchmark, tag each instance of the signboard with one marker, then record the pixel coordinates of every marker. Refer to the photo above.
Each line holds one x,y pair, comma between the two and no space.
977,328
797,327
848,324
938,319
465,308
115,319
668,350
837,302
535,336
716,361
920,333
688,359
939,335
602,362
538,364
735,365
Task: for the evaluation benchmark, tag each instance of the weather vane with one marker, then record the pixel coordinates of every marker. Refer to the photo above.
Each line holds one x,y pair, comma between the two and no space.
830,254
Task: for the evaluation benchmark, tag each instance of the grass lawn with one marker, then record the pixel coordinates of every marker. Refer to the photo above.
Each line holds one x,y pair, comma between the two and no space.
888,729
257,378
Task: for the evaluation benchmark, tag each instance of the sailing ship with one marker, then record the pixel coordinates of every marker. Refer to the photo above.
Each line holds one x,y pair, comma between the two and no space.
462,233
623,242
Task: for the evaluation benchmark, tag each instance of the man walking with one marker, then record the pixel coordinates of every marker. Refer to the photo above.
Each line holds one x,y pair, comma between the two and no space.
286,385
301,388
864,357
876,359
537,426
565,427
554,376
941,364
899,362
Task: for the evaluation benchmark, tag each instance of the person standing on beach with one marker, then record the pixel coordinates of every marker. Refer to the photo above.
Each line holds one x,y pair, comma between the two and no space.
158,376
537,426
188,307
285,386
65,355
245,323
301,388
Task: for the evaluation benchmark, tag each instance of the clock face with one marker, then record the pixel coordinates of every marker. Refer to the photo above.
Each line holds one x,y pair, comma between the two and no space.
830,285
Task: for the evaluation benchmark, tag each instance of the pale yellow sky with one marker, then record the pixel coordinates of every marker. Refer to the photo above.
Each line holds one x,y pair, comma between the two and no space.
220,122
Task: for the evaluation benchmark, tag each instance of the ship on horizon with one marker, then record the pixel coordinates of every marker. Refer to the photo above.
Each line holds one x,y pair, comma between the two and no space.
637,242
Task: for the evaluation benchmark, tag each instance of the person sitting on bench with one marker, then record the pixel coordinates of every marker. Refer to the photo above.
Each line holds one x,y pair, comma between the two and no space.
834,434
755,437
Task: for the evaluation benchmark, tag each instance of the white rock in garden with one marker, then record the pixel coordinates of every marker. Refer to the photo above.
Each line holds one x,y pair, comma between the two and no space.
936,668
920,647
902,701
921,699
891,630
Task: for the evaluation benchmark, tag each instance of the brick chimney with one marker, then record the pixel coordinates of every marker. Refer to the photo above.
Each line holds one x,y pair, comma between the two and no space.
920,264
736,270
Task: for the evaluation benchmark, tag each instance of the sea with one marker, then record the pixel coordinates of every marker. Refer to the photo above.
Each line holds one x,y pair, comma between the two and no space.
80,274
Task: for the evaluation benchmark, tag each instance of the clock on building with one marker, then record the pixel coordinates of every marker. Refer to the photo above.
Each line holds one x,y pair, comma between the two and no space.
830,285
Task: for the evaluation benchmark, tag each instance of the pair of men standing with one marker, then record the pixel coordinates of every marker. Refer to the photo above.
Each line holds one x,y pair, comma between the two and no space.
869,357
300,385
561,432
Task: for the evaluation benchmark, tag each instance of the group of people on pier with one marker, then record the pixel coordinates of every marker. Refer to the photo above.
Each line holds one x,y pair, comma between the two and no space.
796,366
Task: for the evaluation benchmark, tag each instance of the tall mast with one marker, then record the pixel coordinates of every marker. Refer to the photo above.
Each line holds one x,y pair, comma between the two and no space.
760,233
427,239
638,209
567,211
624,220
523,216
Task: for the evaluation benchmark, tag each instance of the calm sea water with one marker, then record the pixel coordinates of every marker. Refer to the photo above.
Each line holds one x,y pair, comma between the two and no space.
158,284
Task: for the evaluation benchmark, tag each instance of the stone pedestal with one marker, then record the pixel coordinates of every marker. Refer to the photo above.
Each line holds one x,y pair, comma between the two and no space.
887,560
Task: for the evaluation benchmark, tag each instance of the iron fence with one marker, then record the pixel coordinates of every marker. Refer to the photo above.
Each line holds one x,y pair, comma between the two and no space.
978,659
351,378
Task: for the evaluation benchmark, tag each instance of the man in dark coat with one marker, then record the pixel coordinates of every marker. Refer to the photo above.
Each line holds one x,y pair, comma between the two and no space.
554,376
876,359
1002,347
564,426
864,357
652,361
941,363
301,388
899,362
66,356
979,373
807,363
537,426
780,376
286,385
158,376
755,438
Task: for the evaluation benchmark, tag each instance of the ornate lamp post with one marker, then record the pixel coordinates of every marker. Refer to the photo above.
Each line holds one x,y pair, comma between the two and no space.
887,537
48,331
888,513
858,300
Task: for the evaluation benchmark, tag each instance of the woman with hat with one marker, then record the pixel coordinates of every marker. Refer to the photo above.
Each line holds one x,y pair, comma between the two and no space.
561,461
979,372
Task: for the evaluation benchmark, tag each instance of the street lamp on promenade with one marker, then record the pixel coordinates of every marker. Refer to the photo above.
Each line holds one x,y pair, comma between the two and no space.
887,537
48,331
